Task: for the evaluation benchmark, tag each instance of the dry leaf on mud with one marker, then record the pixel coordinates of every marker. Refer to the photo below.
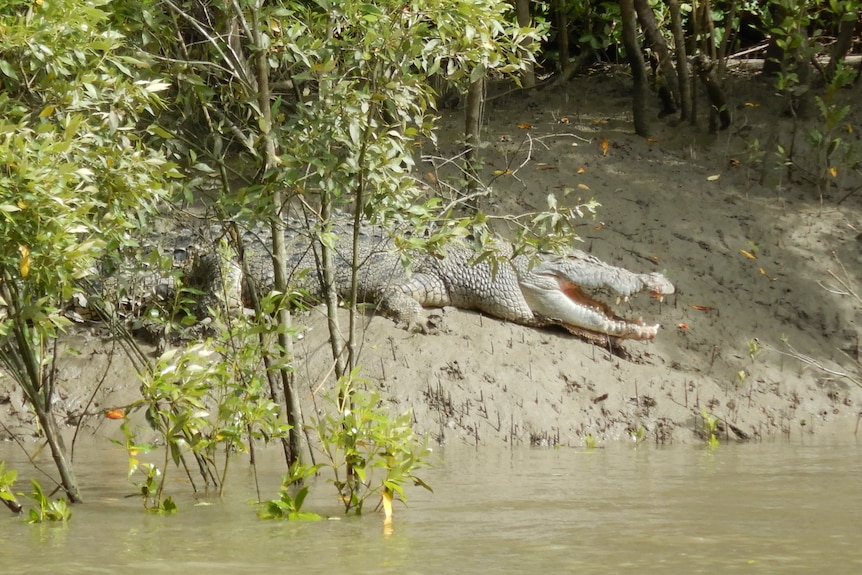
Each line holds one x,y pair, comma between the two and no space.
525,126
605,145
748,254
701,307
763,272
582,170
713,177
115,414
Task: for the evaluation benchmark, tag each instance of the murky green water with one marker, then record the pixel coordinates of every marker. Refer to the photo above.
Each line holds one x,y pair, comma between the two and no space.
758,508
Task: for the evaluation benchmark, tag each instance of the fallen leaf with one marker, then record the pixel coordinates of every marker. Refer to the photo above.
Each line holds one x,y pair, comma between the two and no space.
502,172
604,144
543,166
583,187
564,120
582,170
713,178
654,259
652,140
833,171
525,126
751,105
505,138
763,272
734,162
748,254
682,326
849,128
115,414
701,307
599,227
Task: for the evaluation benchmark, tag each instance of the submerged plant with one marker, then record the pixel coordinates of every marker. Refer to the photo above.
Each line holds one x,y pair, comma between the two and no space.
292,496
46,509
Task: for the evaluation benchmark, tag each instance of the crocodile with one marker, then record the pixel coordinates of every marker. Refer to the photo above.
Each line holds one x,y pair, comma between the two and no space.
541,290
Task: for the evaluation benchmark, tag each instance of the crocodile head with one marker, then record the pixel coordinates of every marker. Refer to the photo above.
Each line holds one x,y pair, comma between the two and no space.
558,290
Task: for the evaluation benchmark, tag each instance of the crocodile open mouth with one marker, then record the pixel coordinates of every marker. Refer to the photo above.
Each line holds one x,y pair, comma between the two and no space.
567,304
597,316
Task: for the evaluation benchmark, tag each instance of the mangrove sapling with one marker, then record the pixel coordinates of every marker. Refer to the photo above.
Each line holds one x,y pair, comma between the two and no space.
210,400
709,428
370,452
76,178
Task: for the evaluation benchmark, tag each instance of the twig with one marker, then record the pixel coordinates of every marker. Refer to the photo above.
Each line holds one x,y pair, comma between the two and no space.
810,361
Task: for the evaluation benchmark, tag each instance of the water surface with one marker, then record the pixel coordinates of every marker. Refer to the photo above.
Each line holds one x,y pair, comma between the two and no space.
754,508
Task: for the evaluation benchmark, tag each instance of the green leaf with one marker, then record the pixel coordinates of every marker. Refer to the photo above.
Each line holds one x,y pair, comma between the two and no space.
7,69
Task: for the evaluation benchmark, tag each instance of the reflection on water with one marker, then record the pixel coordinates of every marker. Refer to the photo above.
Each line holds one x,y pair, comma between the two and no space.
758,508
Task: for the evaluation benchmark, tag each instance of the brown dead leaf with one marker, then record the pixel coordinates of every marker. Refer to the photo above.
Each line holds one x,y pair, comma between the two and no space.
701,307
604,145
564,120
115,414
748,254
525,126
582,170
